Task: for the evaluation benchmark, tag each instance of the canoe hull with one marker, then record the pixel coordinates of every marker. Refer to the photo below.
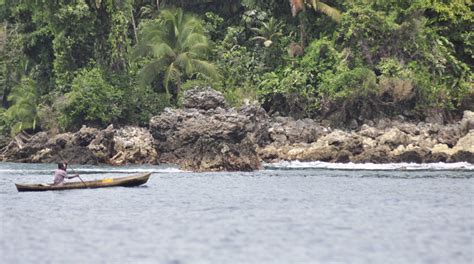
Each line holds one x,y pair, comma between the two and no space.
129,181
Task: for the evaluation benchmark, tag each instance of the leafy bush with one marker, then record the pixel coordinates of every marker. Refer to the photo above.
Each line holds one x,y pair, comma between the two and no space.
241,70
349,95
411,57
288,92
143,103
50,114
321,58
91,101
342,85
365,31
395,82
391,67
213,25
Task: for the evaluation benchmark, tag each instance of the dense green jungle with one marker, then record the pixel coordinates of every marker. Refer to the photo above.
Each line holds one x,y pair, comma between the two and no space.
68,63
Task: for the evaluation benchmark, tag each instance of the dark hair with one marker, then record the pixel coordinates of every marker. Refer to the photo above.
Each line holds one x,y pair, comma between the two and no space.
61,166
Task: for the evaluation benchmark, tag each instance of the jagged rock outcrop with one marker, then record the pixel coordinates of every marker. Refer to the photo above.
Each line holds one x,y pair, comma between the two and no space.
209,138
462,151
386,141
41,147
133,145
86,146
207,135
285,130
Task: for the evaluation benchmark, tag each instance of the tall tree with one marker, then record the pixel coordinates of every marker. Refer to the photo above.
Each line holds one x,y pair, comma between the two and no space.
177,45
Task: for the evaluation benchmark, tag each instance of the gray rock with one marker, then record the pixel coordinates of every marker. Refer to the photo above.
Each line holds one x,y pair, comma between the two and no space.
437,157
368,131
435,116
448,135
407,128
343,156
353,124
103,144
418,155
86,146
462,156
323,153
21,148
133,145
209,140
258,124
286,130
204,98
380,154
85,135
467,122
393,138
384,123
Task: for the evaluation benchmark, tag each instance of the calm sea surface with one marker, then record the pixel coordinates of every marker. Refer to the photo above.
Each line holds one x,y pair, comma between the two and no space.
283,214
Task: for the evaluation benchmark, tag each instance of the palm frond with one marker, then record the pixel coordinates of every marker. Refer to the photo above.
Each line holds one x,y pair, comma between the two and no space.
193,39
258,38
257,30
192,27
149,72
330,11
206,68
198,50
183,61
140,50
162,51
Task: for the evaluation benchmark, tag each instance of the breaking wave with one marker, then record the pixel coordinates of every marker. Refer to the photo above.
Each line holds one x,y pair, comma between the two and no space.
297,165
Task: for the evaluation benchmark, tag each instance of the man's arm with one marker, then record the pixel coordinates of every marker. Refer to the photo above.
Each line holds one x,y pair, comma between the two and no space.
73,176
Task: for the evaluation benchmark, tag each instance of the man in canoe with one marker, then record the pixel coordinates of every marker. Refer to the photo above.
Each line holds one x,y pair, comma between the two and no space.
60,174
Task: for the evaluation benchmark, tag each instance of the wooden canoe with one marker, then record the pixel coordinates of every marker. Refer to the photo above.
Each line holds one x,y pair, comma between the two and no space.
129,181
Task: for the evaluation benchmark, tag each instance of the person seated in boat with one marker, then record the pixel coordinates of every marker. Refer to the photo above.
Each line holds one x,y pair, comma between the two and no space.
60,174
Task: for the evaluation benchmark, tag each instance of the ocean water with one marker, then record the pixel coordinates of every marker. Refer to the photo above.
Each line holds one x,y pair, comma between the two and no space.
287,213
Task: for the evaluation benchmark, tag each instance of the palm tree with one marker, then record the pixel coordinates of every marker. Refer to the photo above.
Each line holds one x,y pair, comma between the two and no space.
23,109
177,46
268,32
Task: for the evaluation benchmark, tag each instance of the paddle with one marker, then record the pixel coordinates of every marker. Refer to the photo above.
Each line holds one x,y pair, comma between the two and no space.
72,169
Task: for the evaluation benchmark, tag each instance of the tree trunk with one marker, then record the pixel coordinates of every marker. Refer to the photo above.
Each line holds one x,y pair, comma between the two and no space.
176,91
302,36
302,31
135,34
6,87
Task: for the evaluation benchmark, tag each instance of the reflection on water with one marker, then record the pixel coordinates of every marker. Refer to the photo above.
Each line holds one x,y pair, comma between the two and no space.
310,215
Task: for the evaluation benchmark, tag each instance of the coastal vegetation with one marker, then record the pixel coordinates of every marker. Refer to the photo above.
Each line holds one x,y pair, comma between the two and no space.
64,64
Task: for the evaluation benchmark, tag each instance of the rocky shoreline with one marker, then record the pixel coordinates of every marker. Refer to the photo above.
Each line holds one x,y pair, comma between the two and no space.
208,135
